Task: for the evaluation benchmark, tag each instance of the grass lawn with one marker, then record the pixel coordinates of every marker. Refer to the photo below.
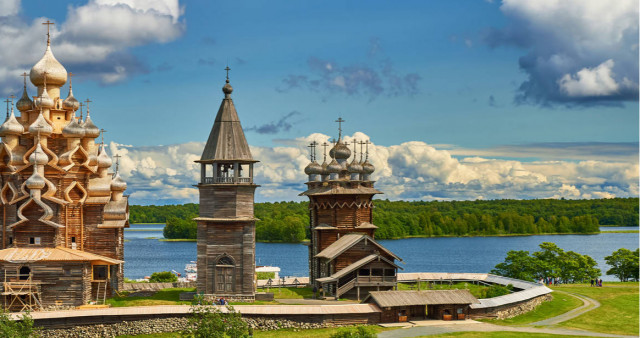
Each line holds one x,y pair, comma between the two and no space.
163,297
560,304
498,334
289,293
618,312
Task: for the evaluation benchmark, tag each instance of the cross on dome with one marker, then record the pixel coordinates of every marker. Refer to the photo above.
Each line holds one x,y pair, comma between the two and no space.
340,120
117,157
48,23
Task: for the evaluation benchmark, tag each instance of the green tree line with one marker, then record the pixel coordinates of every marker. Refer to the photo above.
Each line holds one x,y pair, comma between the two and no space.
288,221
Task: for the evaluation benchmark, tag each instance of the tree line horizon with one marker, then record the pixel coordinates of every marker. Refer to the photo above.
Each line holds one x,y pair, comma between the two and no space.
289,221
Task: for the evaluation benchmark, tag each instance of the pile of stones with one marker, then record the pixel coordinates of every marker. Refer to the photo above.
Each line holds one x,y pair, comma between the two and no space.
173,324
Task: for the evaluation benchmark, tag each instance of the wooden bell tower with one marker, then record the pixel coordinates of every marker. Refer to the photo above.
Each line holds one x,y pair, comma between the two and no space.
226,223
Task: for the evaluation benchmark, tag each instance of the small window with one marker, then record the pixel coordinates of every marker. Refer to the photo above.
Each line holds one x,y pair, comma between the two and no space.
225,260
459,310
363,272
24,273
389,272
100,272
37,240
376,272
10,240
67,271
32,240
73,239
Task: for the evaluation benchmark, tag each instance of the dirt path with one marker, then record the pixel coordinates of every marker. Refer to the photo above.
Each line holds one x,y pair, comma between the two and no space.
588,305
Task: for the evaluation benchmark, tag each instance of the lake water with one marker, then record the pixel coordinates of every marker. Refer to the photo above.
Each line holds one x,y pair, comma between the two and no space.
144,256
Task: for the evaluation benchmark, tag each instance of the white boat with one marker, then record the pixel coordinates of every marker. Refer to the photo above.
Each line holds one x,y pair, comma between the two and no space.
191,271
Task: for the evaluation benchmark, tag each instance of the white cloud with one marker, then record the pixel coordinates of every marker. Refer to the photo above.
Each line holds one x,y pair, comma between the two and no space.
93,41
411,170
580,51
9,7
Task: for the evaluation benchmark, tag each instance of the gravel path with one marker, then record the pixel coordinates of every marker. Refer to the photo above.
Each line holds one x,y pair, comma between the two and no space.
588,305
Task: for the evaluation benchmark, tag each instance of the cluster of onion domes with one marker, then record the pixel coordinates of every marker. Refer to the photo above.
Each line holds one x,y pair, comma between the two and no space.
339,168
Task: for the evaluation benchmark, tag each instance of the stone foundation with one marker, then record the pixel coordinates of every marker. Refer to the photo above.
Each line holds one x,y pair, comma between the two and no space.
232,298
510,310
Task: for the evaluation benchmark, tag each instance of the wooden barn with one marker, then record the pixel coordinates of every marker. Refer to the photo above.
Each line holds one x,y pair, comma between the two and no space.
63,213
226,223
402,306
344,258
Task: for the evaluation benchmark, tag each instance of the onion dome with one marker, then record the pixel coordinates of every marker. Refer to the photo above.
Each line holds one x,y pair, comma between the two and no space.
368,168
118,184
90,129
334,167
25,102
44,101
35,181
38,156
11,126
40,125
73,129
355,167
340,151
307,169
104,161
56,75
70,103
324,166
315,168
227,89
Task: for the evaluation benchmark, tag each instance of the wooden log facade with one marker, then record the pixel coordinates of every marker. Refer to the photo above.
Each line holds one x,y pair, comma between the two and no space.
344,258
63,213
226,224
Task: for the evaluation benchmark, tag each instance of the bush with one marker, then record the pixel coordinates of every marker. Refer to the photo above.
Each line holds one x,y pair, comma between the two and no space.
209,321
497,291
22,328
163,277
355,332
265,275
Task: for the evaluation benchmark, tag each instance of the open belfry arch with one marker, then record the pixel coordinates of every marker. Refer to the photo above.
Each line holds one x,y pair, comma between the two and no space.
226,223
63,212
345,261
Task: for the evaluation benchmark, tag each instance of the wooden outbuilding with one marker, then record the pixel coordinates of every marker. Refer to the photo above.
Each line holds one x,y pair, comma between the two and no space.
402,306
226,223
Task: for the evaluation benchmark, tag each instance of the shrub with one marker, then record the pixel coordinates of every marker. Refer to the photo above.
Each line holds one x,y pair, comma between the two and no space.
163,277
265,275
22,328
355,332
209,321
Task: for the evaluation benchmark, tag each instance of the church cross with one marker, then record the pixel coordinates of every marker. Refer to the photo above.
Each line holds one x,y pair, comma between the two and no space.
227,69
24,75
81,105
7,101
48,23
70,76
102,131
314,144
88,101
367,143
361,143
310,146
325,145
117,157
355,152
340,120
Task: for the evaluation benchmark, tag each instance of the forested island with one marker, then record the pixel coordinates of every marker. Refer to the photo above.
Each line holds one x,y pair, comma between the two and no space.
288,221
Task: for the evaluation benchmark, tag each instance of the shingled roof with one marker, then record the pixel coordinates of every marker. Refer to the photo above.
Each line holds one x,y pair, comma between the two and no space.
347,241
227,141
428,297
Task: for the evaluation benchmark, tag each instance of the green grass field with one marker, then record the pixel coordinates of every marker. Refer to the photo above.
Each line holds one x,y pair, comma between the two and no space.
289,293
476,290
618,312
498,334
560,304
162,297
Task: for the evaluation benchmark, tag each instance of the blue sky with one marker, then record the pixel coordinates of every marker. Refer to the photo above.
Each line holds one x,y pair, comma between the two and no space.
470,78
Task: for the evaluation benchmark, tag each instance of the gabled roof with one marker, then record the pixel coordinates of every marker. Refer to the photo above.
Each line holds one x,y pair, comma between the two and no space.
324,226
366,225
354,266
226,141
428,297
347,241
24,255
339,190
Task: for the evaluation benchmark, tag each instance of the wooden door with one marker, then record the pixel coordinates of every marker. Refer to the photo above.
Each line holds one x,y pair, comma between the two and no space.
224,279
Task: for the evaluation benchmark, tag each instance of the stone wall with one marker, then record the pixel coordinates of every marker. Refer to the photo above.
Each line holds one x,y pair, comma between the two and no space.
510,310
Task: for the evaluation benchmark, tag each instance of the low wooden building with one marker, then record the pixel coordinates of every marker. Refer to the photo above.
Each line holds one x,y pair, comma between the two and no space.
63,212
402,306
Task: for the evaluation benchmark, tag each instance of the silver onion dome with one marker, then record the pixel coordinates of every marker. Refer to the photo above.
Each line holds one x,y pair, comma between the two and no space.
368,168
90,129
40,125
70,103
38,156
355,167
334,167
340,151
25,102
104,161
35,181
73,129
48,67
118,184
11,126
315,168
44,101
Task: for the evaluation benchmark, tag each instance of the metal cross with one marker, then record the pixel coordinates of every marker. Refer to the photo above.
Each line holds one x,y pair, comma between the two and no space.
355,152
325,145
314,144
361,143
24,75
70,76
367,143
310,146
117,157
7,101
102,131
81,105
340,120
88,101
48,23
227,69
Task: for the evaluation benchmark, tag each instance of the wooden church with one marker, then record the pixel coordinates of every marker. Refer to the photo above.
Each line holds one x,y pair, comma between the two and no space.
226,224
345,261
63,212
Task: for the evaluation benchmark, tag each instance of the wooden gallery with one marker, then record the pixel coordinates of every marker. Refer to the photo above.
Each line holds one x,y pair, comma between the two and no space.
63,212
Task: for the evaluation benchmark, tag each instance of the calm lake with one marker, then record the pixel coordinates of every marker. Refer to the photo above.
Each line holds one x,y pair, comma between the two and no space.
144,255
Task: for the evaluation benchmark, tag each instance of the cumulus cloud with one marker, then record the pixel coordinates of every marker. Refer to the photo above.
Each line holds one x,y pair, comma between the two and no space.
410,171
9,7
371,78
581,52
93,41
